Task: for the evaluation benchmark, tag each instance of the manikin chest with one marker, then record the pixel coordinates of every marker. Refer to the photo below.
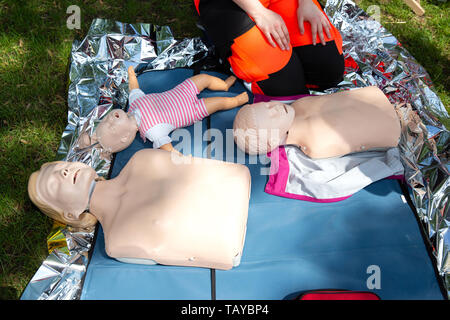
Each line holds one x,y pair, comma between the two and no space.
192,214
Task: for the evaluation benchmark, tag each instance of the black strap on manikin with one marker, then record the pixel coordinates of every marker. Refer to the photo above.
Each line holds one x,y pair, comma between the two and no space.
213,284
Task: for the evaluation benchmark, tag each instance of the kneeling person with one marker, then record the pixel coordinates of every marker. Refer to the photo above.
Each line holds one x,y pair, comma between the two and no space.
322,126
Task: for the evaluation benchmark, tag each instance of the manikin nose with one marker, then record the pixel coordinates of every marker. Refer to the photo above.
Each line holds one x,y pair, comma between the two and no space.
113,116
65,172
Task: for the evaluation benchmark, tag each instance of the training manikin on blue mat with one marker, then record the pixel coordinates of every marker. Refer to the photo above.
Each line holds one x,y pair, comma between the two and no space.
370,241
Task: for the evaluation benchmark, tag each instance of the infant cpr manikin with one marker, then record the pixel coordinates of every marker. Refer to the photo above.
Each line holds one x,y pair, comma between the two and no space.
162,208
323,126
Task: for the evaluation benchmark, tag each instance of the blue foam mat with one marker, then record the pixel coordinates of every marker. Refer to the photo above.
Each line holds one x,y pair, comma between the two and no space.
290,245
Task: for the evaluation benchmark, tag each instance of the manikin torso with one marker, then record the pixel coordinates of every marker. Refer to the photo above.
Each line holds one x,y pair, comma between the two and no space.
175,213
344,122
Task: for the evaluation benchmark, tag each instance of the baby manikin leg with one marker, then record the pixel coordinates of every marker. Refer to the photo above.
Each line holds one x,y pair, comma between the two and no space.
214,104
205,81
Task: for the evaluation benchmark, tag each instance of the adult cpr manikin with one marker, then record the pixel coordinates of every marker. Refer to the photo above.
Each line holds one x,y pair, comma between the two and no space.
162,208
322,126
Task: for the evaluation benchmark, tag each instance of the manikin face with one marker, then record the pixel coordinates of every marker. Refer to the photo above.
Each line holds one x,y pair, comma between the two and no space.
261,127
65,186
273,120
116,131
274,115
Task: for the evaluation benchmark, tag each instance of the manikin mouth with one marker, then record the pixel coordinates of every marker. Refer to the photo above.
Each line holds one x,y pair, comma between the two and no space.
285,109
75,176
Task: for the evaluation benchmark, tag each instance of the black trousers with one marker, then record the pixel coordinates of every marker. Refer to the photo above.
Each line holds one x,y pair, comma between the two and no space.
319,67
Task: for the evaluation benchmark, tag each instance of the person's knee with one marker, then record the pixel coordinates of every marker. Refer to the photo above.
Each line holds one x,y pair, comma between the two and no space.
254,59
333,71
324,65
290,80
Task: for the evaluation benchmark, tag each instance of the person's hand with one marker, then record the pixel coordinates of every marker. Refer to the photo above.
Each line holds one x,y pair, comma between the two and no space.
308,11
273,27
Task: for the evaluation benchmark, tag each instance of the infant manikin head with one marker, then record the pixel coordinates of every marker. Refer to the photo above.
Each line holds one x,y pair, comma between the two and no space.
116,131
261,127
61,190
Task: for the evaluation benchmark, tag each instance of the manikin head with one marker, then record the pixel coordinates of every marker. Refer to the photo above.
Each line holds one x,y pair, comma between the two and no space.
114,133
61,190
261,127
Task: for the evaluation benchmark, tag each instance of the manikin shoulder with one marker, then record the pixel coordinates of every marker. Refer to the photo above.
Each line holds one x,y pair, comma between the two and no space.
149,157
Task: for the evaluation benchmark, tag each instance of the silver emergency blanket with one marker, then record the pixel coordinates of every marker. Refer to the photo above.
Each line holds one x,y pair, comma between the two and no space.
374,57
98,83
60,276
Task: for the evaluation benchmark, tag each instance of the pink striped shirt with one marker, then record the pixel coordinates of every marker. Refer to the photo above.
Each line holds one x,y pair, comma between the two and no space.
178,107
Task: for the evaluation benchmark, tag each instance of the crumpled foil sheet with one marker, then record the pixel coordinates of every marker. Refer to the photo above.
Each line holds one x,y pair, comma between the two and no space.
60,275
99,83
373,56
99,78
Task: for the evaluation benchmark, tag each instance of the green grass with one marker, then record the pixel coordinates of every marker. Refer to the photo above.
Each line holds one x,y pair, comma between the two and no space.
426,38
34,49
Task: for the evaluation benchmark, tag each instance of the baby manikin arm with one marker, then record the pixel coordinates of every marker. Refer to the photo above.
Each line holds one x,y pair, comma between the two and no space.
84,140
167,147
194,212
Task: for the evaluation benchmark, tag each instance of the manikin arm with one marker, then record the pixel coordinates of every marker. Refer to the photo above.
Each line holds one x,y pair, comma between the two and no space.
84,140
132,79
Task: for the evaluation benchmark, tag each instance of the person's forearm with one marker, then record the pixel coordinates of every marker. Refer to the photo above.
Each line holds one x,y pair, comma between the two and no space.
251,7
302,2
